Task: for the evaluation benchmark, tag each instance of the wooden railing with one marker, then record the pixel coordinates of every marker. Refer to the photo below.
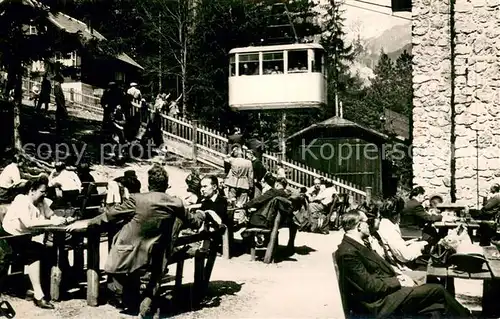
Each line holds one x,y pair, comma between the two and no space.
188,138
210,147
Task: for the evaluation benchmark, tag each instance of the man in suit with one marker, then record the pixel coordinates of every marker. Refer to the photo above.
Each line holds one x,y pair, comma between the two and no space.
415,220
145,216
213,199
371,287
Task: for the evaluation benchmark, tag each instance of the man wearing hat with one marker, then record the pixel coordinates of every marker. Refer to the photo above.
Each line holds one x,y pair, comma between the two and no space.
121,187
134,92
61,111
111,97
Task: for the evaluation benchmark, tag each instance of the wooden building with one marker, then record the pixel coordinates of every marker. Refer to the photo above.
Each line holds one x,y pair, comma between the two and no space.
346,150
83,71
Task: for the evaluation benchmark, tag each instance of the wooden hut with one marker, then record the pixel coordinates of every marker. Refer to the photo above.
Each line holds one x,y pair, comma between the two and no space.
346,150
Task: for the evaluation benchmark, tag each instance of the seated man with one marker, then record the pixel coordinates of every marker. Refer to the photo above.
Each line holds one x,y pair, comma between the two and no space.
213,199
121,187
130,252
278,190
11,183
416,221
371,287
320,203
65,183
23,216
263,211
313,191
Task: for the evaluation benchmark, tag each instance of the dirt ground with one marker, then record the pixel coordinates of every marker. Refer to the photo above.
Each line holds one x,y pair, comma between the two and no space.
302,286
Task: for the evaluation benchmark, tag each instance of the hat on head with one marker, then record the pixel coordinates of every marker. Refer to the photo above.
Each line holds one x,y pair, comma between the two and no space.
84,167
133,84
434,196
130,174
193,181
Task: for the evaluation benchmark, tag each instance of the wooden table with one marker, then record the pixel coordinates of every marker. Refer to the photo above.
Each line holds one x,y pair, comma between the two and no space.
443,227
454,207
93,255
490,274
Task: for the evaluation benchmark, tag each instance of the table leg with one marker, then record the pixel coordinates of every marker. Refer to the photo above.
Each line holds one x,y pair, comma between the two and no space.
93,241
56,271
199,269
490,304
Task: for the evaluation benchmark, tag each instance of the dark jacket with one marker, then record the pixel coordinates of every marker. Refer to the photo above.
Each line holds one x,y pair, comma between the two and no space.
259,171
265,216
491,208
219,206
263,199
143,214
414,216
367,282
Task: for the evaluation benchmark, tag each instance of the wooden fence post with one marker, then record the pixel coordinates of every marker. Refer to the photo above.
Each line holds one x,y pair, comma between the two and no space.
194,138
368,191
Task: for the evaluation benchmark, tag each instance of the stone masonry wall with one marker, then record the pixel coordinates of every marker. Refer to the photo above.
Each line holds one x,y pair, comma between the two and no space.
476,96
432,92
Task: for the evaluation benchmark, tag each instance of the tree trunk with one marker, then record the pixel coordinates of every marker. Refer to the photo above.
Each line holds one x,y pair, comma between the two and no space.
14,82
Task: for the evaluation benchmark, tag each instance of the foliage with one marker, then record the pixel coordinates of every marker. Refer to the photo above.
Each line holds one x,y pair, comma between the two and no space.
339,53
20,45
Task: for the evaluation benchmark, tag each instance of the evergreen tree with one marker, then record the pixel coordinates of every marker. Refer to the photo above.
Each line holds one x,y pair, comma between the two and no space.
339,53
27,35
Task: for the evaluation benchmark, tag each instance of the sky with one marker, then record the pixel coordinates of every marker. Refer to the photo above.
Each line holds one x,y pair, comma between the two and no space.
361,19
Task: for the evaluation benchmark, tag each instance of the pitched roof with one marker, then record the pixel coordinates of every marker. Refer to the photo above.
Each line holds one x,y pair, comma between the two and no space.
337,122
72,25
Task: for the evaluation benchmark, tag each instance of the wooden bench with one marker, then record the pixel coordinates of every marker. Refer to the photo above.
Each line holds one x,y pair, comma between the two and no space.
337,273
273,241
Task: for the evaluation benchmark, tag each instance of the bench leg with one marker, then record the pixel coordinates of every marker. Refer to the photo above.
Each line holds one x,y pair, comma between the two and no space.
93,241
208,269
226,244
56,271
178,280
199,267
251,243
271,247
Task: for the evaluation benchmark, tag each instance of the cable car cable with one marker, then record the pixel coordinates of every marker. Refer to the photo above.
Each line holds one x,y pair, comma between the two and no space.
388,14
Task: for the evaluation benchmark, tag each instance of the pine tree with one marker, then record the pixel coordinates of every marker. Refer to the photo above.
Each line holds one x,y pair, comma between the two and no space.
19,47
339,53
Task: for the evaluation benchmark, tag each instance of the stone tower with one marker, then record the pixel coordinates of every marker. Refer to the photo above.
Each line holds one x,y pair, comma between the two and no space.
456,83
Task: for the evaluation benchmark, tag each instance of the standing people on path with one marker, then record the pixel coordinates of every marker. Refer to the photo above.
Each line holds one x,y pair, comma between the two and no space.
235,138
109,100
45,91
134,92
240,178
259,171
35,94
154,126
61,111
